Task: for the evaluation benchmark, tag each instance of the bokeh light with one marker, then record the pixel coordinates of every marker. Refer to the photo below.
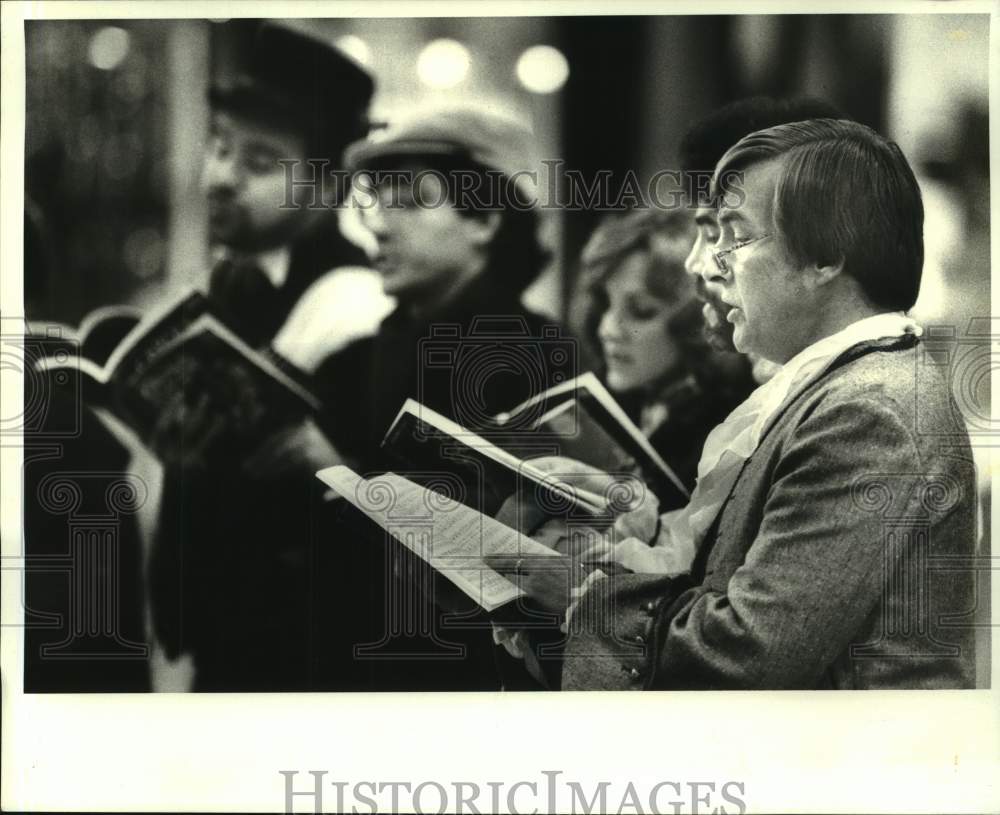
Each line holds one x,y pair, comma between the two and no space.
108,47
443,63
542,69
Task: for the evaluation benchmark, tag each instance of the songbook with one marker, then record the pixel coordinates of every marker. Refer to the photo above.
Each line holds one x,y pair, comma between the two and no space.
104,328
585,422
182,353
433,447
98,334
450,536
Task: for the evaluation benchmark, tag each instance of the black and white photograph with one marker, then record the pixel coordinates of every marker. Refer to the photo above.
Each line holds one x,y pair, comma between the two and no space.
381,372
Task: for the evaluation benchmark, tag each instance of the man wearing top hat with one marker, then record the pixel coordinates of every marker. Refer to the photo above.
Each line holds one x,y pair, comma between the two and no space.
286,112
230,569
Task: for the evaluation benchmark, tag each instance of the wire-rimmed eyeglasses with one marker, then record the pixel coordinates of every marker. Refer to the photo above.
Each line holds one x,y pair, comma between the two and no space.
720,254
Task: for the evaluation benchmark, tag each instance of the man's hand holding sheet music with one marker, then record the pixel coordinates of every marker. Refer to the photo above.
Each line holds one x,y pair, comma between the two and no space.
555,586
549,582
636,508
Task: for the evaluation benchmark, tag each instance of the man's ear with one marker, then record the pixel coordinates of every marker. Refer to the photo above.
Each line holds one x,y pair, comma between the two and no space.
820,274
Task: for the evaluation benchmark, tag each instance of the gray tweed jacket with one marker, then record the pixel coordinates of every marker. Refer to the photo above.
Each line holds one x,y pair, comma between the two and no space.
838,561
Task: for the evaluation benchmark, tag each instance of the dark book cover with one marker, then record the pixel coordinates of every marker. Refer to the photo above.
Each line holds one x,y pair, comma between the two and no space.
583,421
436,450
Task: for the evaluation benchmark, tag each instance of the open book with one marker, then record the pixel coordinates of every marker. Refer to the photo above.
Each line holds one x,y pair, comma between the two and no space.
104,328
100,331
182,353
437,448
585,422
445,533
139,344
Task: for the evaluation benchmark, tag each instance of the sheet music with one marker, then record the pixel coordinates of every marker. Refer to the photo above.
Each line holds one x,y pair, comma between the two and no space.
450,536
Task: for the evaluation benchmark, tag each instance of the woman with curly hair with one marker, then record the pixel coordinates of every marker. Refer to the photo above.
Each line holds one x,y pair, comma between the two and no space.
643,321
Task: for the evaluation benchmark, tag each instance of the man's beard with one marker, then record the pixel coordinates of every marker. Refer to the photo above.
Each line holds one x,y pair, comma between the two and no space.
717,329
229,225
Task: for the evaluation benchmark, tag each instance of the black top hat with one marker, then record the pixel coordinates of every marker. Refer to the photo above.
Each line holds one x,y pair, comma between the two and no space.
292,76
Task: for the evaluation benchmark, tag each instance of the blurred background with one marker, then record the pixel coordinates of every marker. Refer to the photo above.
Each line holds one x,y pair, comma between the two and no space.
117,117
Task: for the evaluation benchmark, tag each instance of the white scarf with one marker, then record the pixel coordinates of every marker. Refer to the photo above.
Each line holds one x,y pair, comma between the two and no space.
731,443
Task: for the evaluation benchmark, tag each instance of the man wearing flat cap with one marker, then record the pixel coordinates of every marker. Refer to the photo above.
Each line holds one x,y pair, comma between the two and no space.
453,215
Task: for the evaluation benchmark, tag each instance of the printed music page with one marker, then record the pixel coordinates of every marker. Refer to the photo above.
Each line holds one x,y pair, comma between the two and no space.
450,536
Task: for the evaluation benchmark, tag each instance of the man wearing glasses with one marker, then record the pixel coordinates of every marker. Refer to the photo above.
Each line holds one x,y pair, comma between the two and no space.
700,150
271,240
834,513
226,528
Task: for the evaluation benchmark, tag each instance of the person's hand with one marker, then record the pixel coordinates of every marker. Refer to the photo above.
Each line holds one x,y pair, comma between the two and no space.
576,474
525,513
548,581
185,431
623,491
636,506
642,522
585,544
519,511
